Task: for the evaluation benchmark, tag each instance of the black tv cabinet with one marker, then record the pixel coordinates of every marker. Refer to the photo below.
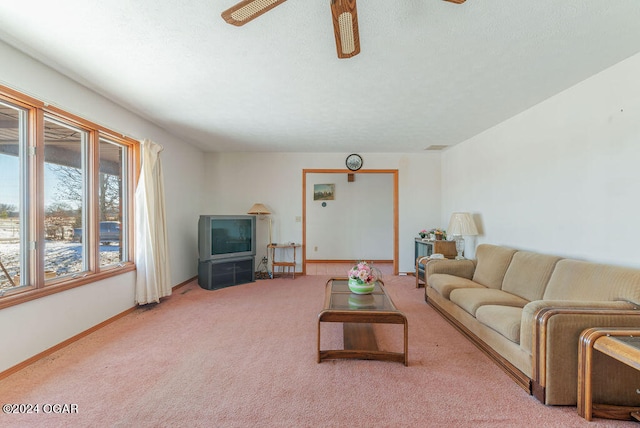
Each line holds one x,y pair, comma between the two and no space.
215,274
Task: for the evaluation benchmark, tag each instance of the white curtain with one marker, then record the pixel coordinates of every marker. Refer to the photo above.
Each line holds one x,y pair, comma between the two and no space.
152,250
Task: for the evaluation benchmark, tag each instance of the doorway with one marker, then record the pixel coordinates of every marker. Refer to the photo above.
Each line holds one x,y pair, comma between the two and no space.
393,173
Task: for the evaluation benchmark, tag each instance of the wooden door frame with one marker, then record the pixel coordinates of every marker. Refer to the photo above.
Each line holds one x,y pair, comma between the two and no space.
394,173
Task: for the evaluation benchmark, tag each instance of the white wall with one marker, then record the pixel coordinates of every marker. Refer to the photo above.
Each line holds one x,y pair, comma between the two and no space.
38,325
357,224
238,180
561,177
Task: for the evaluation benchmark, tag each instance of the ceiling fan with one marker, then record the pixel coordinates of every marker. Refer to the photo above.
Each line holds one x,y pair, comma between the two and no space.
344,13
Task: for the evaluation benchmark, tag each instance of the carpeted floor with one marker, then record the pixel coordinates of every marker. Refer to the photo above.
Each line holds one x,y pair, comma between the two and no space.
246,356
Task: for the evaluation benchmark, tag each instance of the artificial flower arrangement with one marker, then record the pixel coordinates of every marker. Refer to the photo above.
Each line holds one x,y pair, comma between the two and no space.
363,273
362,278
437,232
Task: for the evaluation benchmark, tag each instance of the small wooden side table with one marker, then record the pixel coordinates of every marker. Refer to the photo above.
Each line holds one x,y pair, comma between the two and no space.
621,344
425,248
289,265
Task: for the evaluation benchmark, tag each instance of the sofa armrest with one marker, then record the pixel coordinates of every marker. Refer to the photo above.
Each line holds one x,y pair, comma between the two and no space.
531,310
461,268
556,332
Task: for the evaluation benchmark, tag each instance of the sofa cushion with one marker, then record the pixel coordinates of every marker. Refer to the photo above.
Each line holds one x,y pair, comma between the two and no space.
503,319
492,264
579,281
470,299
528,274
444,283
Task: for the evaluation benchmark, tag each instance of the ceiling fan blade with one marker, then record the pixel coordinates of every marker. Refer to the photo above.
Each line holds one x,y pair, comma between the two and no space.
247,10
456,1
345,27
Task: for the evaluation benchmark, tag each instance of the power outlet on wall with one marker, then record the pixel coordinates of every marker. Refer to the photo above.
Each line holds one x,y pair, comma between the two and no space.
264,260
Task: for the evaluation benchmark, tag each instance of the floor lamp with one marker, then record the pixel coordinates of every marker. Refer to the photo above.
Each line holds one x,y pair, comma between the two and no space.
459,225
262,211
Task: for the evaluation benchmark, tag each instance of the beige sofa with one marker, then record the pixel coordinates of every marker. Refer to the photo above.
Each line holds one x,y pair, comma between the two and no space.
527,310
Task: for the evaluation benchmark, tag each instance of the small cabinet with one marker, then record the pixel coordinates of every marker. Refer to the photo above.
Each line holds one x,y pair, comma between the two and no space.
425,248
215,274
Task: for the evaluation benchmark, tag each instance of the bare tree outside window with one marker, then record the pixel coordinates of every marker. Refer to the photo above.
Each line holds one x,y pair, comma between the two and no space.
69,189
110,196
64,188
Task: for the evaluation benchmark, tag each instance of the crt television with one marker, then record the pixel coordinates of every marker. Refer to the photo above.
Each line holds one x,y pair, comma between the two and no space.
226,236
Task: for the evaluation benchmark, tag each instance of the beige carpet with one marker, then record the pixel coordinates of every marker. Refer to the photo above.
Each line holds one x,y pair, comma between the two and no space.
246,356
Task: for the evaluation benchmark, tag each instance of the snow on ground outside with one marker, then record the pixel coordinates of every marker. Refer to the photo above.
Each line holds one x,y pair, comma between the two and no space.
61,257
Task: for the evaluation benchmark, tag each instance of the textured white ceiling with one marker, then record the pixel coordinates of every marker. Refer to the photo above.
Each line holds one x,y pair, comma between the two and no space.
430,72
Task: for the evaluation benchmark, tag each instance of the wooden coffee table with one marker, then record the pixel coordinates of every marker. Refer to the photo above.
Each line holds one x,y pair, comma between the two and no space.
622,344
358,313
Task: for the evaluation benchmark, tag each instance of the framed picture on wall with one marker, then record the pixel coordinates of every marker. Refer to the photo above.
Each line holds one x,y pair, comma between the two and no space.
324,192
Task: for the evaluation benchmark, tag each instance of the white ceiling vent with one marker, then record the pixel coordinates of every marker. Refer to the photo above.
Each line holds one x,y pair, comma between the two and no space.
436,147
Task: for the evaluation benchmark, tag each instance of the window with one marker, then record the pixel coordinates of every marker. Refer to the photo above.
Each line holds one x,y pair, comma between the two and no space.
65,149
65,200
111,188
13,257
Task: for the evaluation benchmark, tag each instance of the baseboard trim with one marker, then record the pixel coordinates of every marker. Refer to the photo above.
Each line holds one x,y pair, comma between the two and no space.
183,283
69,341
63,344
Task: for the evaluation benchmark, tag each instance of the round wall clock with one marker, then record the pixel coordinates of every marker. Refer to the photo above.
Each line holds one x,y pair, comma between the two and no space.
354,162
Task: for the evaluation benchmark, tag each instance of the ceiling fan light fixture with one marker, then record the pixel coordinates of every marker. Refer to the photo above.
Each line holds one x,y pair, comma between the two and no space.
247,10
